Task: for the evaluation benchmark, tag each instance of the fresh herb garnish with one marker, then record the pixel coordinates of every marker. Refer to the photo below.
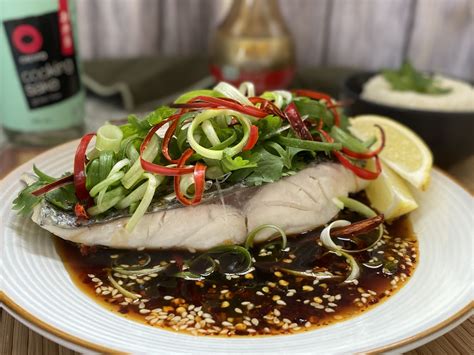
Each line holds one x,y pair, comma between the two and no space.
407,78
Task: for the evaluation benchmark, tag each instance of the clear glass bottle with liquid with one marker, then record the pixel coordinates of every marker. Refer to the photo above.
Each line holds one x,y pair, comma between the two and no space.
41,95
254,44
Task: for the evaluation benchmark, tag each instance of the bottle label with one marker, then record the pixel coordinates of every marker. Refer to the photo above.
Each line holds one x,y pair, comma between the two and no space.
263,80
43,51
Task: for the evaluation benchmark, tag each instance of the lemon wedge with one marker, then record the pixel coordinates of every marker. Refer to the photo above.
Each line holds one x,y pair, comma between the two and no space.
389,194
404,152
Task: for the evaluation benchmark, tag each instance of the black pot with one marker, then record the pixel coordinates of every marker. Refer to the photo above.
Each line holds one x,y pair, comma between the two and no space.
450,135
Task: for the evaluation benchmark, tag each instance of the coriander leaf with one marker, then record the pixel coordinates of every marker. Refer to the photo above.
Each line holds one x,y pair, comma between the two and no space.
42,176
269,167
315,109
64,197
25,201
160,114
231,164
268,126
407,78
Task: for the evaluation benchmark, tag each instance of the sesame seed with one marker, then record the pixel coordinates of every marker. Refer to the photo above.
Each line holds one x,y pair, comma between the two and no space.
308,288
225,304
237,310
307,324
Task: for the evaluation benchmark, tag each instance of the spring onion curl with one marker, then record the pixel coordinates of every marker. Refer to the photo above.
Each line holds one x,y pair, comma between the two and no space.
328,243
111,198
325,275
114,175
247,88
251,236
134,196
236,249
135,173
109,137
210,132
144,203
232,93
122,290
360,208
218,154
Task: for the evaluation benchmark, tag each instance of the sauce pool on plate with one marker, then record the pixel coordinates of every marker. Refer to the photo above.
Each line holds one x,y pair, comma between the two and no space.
267,300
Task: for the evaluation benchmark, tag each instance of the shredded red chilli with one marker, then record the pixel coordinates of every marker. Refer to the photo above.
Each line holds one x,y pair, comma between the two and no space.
80,160
199,174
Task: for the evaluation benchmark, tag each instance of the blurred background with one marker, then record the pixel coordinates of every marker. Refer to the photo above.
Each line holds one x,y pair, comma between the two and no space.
437,35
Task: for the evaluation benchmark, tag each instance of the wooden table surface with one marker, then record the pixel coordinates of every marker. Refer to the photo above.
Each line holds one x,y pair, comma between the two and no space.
18,339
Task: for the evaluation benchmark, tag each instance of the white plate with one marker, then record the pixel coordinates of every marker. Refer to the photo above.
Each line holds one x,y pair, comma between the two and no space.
38,290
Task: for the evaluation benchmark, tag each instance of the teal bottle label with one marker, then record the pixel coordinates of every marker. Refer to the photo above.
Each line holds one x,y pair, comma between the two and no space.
44,91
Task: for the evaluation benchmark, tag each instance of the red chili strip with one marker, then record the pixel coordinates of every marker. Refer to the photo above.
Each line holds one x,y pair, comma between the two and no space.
167,138
79,168
215,102
199,173
369,154
253,138
316,95
80,211
360,172
155,168
54,185
297,123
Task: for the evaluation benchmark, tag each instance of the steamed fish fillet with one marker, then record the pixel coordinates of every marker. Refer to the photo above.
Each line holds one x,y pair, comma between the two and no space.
301,202
194,228
296,203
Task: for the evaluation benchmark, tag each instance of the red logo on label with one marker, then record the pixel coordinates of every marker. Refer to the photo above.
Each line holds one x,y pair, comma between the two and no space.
27,39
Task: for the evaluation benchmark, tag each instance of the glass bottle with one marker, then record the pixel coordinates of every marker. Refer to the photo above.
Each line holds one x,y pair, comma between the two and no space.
41,95
254,44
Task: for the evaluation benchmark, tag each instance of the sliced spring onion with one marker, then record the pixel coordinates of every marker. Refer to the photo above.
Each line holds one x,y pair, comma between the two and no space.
348,140
110,199
355,269
309,145
135,173
114,175
357,207
232,92
286,95
272,96
108,138
144,203
225,143
185,183
210,132
247,89
134,196
234,249
218,154
326,234
140,272
251,236
192,94
122,290
328,243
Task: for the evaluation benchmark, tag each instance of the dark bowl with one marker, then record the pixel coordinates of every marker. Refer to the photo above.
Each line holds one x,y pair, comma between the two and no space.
450,135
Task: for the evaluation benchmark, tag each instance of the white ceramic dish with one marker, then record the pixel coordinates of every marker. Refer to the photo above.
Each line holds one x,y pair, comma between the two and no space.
38,291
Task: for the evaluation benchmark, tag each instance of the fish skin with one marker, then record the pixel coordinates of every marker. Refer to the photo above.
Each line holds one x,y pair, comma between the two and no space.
296,203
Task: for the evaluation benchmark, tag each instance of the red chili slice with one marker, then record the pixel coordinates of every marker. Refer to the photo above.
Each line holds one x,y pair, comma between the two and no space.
316,95
369,154
80,166
155,168
199,173
253,138
360,172
297,123
216,102
54,185
167,138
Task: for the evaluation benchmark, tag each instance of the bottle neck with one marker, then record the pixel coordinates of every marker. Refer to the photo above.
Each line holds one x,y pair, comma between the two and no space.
254,18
